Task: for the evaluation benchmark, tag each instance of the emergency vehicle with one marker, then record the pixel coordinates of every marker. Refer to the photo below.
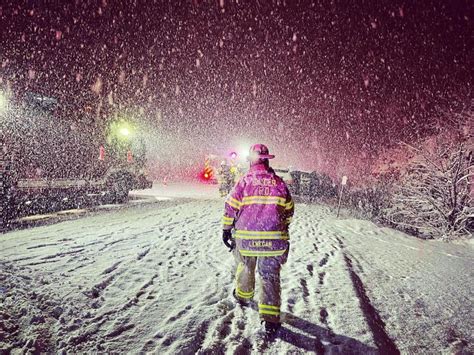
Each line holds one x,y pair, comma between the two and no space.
52,160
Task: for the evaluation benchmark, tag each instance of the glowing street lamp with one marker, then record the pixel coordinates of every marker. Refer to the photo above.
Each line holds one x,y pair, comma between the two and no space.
124,131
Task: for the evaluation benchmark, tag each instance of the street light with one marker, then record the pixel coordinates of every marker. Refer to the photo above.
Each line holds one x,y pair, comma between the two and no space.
124,131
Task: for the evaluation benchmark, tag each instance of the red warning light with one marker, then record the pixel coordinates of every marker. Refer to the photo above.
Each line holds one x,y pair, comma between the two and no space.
206,175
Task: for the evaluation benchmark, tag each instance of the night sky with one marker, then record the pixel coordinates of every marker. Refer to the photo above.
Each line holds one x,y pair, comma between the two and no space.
328,85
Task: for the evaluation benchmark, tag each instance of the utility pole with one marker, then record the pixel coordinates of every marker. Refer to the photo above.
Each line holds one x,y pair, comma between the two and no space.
344,182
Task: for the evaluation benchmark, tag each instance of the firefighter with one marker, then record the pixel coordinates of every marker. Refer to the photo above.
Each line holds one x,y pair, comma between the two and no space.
224,178
236,171
259,209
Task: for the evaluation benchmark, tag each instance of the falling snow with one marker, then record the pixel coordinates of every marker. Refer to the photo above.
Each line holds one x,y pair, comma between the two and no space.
333,88
223,70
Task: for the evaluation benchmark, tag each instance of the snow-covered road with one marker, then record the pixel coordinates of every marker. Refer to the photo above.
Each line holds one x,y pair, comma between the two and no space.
155,277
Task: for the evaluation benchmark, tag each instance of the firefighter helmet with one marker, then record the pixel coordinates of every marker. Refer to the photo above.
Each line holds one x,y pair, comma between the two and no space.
259,152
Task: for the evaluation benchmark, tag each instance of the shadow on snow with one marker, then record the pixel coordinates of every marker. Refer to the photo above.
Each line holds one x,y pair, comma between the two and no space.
315,338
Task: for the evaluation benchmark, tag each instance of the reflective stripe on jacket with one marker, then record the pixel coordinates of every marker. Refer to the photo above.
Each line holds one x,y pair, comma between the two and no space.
260,208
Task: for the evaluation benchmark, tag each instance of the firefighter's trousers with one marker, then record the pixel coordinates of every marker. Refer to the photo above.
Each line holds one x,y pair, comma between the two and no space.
270,292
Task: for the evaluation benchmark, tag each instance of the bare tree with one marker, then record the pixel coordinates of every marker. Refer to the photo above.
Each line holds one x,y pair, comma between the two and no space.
434,196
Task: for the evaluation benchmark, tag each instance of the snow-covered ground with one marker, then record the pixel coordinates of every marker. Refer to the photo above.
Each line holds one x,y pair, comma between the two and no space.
155,277
190,189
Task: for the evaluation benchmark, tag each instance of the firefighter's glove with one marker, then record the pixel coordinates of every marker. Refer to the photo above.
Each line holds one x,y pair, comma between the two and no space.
228,240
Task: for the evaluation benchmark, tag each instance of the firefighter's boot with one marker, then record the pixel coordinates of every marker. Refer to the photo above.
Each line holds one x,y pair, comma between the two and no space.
271,329
242,302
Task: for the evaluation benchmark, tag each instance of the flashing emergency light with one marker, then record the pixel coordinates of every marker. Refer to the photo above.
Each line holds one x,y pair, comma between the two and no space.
206,174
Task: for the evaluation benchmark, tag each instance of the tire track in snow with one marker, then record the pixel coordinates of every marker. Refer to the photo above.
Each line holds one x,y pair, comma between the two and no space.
41,246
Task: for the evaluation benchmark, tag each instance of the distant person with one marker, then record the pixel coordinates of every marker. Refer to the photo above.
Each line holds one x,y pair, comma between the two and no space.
260,209
224,178
236,171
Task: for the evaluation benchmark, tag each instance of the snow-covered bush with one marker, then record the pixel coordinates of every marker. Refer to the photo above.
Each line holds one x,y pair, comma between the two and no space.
369,202
433,197
313,186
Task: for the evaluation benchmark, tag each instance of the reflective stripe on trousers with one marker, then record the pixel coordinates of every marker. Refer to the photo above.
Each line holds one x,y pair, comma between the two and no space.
270,292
